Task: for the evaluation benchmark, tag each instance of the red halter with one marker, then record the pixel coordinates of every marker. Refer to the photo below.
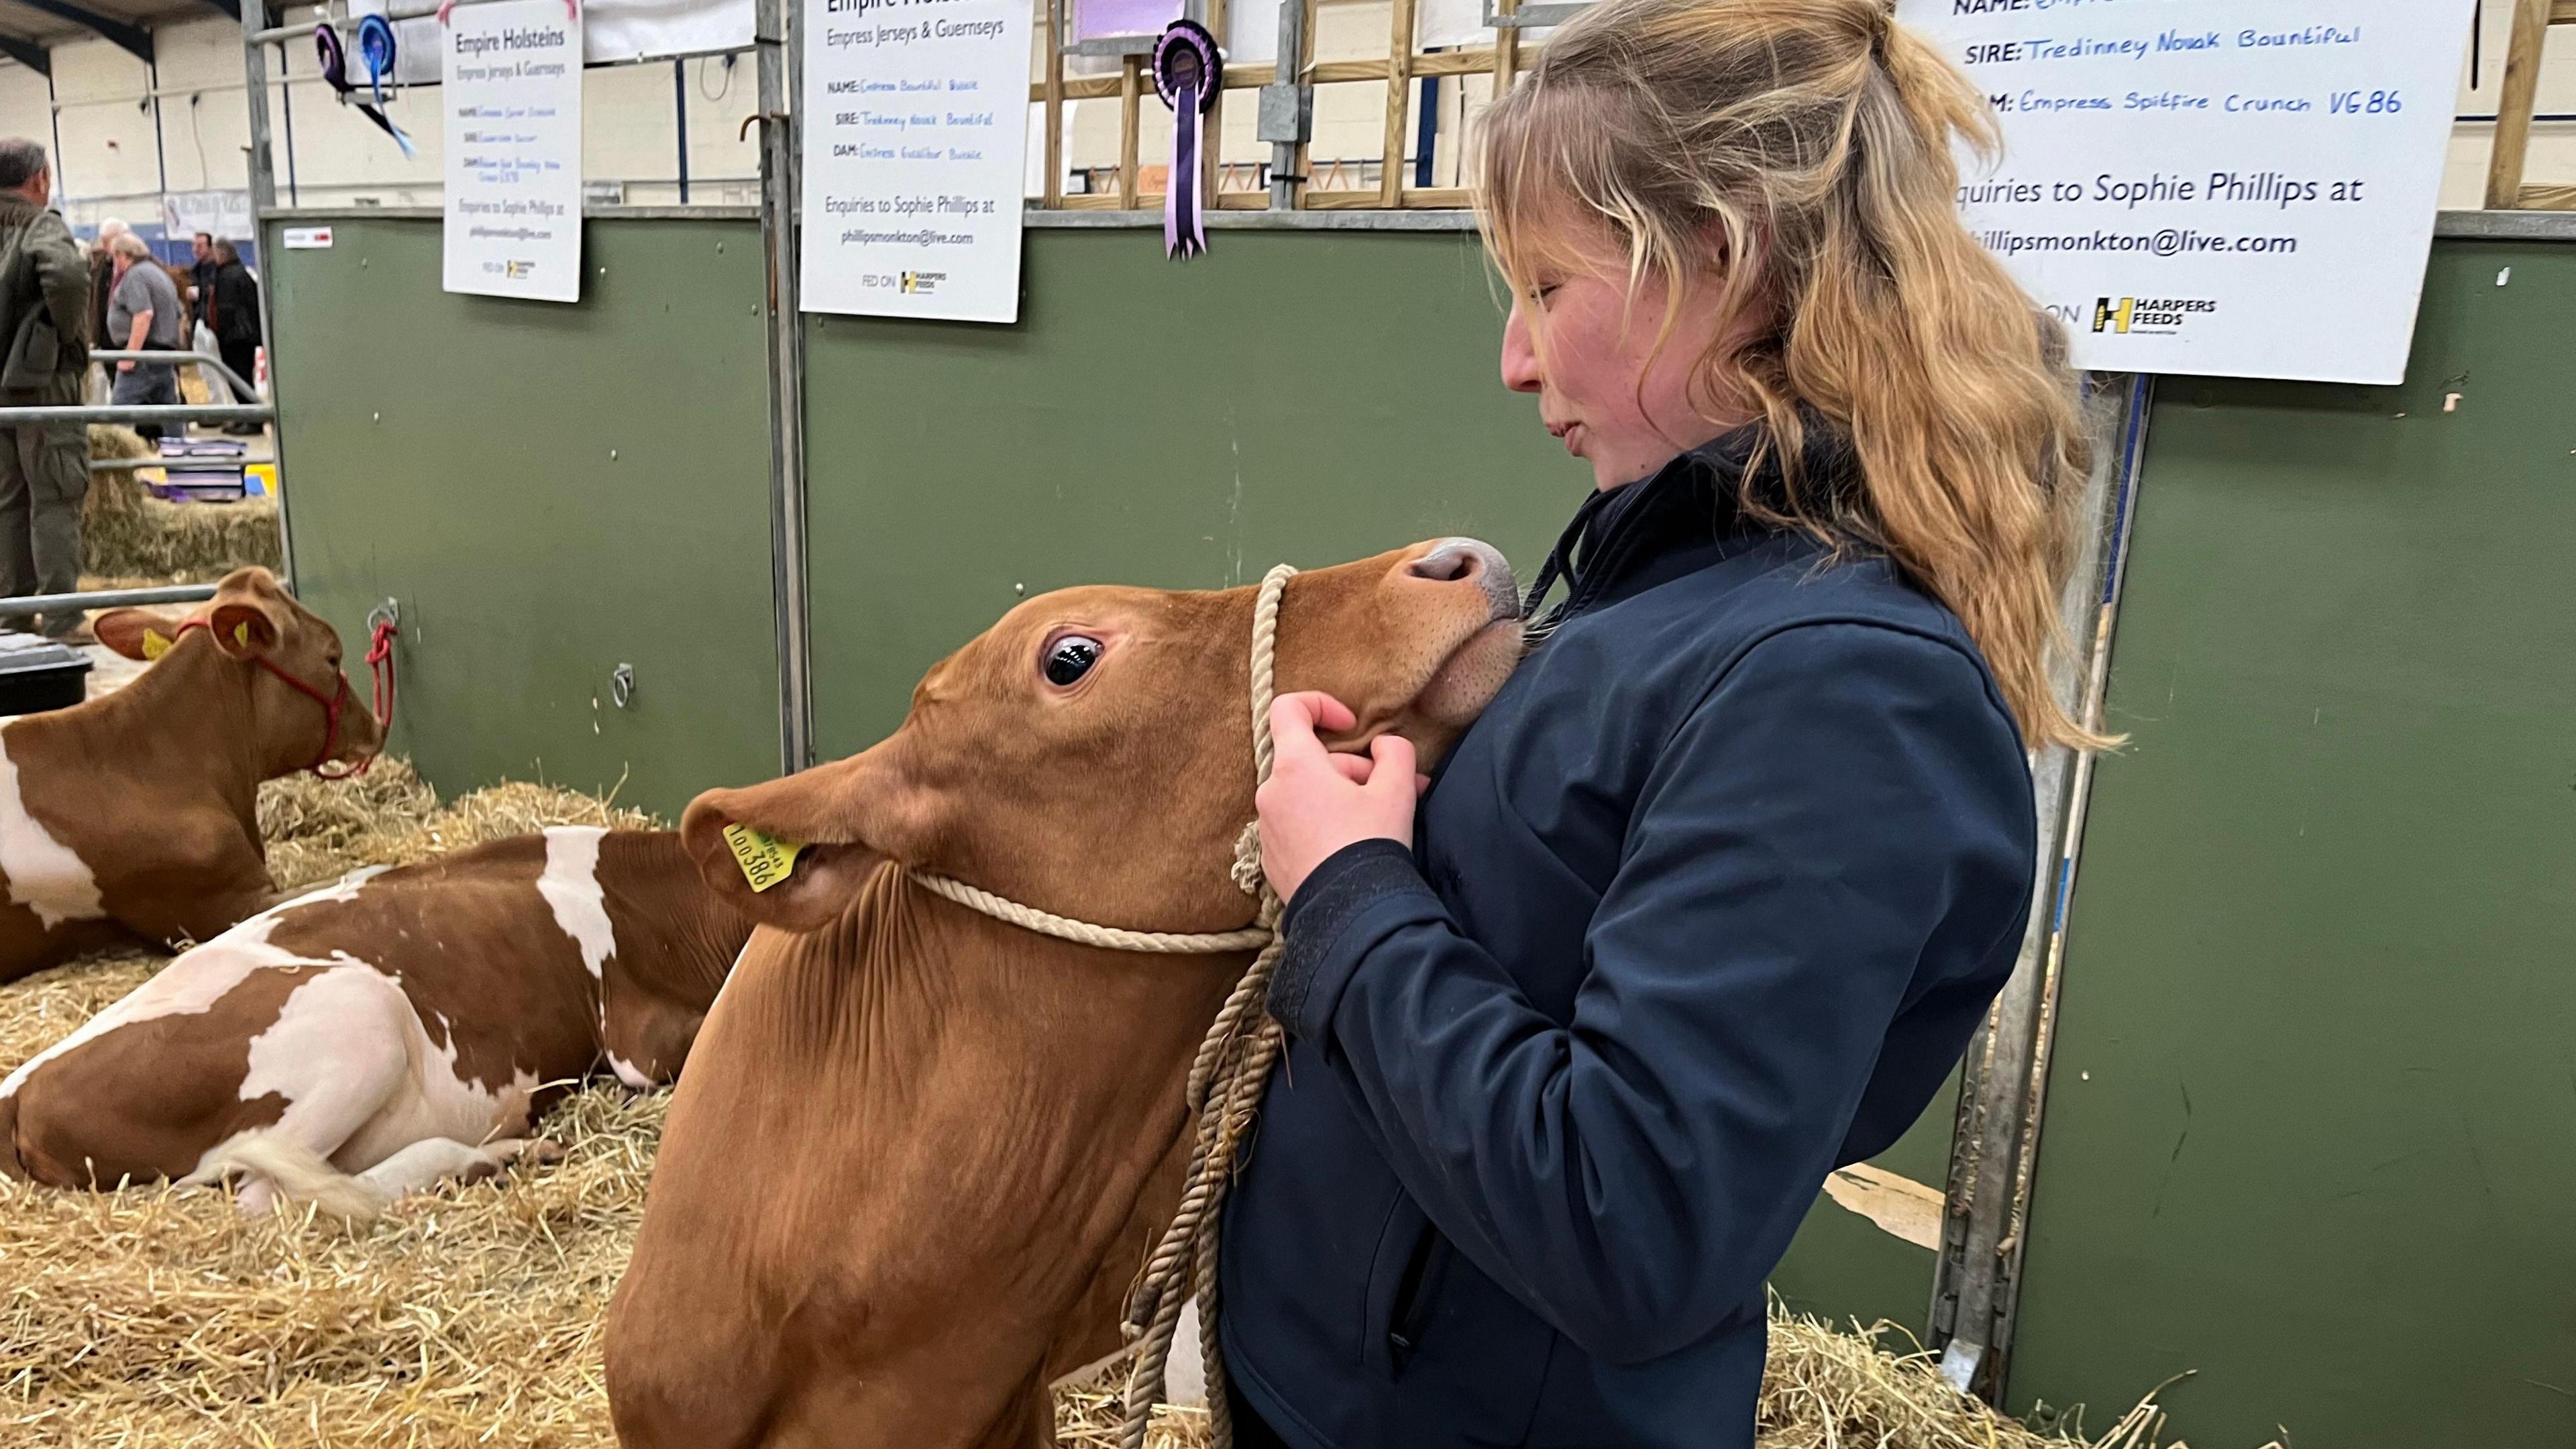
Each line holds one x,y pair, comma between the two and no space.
380,666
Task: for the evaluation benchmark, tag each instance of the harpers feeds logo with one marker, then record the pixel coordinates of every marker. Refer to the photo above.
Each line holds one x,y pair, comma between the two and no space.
922,284
2152,316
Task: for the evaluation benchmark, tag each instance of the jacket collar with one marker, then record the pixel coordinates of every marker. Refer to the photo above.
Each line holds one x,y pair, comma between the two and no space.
1696,503
16,210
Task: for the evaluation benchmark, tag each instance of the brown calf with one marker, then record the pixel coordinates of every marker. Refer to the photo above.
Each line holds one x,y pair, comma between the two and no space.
921,1153
402,1026
133,815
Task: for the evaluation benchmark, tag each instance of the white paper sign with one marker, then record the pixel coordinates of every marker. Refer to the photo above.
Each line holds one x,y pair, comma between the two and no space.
2214,186
216,213
308,238
915,137
512,92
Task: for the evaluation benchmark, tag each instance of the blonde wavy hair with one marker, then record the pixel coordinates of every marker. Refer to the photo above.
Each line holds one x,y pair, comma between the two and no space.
1812,138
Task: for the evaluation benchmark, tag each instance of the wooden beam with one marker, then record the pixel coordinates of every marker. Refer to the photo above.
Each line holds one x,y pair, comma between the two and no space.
1243,77
2514,104
2562,12
2546,198
1212,139
1052,92
1415,198
1131,78
1507,48
1446,62
1399,97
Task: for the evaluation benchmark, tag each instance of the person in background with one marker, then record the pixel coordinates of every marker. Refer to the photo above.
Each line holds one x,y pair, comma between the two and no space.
102,279
143,312
232,313
44,323
201,276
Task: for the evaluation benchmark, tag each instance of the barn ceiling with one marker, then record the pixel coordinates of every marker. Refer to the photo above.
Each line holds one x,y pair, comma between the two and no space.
28,26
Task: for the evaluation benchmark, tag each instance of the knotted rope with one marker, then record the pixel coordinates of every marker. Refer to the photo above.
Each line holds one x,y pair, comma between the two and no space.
1225,1081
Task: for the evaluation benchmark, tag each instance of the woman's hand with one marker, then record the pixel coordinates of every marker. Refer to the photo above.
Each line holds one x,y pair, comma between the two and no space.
1316,802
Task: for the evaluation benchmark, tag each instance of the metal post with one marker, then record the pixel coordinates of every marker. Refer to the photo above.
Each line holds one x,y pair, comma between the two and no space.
160,149
680,120
263,200
777,39
1287,108
54,108
286,108
1995,1143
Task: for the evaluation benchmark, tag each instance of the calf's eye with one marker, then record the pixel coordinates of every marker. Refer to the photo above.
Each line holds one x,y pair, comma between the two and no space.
1071,658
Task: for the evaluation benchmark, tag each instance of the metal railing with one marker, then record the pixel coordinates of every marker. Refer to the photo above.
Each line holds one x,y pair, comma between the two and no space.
104,599
167,413
241,387
239,384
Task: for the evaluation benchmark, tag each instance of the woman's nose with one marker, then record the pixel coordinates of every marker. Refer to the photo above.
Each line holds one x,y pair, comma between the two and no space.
1520,359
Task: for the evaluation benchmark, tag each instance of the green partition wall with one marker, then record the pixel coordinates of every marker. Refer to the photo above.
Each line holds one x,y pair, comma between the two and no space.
2311,1130
1306,396
550,491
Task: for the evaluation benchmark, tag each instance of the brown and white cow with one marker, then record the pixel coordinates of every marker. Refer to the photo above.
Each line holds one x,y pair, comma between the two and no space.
133,814
920,1154
393,1029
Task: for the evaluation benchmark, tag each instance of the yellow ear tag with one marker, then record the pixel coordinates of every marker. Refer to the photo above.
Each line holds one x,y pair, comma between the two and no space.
241,633
765,860
154,646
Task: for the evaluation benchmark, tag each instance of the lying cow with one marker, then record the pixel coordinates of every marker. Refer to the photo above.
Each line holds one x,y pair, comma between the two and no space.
131,816
397,1028
921,1153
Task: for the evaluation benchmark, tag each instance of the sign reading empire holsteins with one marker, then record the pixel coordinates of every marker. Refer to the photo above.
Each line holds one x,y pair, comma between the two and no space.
2214,186
915,147
511,89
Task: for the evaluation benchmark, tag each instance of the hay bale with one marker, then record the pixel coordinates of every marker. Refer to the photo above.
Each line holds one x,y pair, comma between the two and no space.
319,830
472,1316
127,533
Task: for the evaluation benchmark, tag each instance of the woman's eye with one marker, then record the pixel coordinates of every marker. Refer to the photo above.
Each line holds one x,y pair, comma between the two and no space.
1071,658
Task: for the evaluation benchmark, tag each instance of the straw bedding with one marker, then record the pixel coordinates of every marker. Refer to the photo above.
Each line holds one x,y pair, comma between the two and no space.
127,534
472,1316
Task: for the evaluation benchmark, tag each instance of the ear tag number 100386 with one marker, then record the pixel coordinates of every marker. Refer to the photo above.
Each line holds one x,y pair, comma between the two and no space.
765,859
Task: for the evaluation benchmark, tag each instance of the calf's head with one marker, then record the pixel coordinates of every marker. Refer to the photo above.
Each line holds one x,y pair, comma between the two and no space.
284,655
1091,754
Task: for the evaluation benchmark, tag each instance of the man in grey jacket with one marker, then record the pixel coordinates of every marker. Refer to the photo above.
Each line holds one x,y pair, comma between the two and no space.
44,319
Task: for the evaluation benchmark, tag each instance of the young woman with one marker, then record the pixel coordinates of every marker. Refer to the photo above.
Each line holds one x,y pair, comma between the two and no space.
1712,897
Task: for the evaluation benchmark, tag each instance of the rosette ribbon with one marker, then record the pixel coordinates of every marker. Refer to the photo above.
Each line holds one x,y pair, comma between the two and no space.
1186,75
380,63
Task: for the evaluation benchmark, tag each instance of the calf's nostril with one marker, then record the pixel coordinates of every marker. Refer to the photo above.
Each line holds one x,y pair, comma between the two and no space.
1448,564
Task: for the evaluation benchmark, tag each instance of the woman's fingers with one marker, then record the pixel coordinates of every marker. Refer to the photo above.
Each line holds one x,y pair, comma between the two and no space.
1306,711
1391,774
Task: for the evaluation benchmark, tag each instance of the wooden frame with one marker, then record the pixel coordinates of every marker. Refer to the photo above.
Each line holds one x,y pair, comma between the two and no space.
2514,106
1402,65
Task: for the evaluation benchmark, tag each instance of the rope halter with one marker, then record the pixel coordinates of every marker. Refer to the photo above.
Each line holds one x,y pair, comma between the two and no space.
1226,1078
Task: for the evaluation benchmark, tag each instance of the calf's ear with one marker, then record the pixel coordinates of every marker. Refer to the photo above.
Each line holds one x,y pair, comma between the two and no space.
794,853
245,627
136,633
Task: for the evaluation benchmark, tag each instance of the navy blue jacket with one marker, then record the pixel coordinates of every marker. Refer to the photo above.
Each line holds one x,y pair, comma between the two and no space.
1705,905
